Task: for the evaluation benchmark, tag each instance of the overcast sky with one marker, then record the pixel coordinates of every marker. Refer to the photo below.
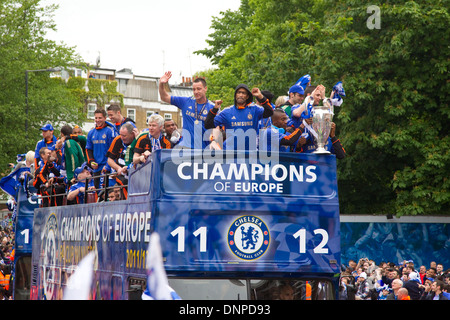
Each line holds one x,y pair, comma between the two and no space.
148,36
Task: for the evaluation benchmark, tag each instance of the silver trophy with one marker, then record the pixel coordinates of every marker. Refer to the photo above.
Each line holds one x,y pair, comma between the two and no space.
322,118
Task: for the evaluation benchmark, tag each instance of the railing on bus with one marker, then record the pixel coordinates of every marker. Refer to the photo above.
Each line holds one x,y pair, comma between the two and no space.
50,197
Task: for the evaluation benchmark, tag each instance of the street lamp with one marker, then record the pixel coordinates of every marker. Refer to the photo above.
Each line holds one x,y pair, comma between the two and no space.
57,69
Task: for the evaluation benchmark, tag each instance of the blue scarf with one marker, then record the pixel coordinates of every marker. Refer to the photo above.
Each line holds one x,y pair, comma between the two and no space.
156,145
339,91
303,81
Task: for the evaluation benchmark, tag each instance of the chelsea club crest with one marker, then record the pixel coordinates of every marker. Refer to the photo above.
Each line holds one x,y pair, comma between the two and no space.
248,237
49,253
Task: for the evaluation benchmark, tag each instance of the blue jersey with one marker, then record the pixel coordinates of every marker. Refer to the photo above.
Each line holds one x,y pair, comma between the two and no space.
40,144
78,185
270,140
267,122
295,121
234,118
191,112
98,140
117,126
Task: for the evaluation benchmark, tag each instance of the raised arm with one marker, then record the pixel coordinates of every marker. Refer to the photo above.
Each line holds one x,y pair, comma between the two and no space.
209,122
268,110
165,96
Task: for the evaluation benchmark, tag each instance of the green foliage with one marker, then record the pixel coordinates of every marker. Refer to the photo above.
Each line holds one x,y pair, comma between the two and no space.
99,90
393,122
23,46
103,91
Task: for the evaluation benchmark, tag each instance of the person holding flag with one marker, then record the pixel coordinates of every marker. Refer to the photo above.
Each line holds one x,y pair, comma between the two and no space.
11,183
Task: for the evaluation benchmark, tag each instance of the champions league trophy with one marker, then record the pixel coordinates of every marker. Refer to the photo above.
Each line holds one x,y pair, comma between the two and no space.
322,118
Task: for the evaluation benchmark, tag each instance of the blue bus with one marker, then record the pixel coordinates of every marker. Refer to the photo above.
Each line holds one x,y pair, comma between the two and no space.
233,225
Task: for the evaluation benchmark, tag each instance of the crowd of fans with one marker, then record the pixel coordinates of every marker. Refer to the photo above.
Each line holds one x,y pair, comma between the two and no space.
387,281
6,260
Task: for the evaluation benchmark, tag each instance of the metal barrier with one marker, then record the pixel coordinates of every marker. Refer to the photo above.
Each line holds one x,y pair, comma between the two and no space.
91,196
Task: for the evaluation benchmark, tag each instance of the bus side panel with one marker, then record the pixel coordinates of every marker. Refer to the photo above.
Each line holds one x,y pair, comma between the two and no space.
117,232
26,203
287,223
297,241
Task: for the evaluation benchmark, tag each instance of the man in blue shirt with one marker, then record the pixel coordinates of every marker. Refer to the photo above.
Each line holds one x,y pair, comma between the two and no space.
296,96
275,138
243,115
49,140
194,110
98,142
115,115
77,191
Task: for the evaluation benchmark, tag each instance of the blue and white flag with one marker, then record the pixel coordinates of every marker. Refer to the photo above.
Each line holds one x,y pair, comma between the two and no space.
339,91
304,81
79,283
11,184
157,284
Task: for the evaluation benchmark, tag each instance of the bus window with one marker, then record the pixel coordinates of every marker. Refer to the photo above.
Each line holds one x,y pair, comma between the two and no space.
22,279
137,185
207,289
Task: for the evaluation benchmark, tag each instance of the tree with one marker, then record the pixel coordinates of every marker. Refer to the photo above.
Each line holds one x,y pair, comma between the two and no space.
23,46
394,120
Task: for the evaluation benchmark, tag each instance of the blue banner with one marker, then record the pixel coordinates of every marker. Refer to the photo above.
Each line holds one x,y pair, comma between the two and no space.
11,184
396,242
27,201
228,216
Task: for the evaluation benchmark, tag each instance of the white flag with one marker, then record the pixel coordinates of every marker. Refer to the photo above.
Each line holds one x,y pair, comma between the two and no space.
79,283
157,284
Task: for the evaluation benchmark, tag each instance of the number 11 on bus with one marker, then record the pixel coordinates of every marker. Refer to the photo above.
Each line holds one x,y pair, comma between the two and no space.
180,232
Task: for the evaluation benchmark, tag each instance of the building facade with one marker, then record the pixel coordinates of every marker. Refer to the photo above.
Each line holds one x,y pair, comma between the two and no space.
140,96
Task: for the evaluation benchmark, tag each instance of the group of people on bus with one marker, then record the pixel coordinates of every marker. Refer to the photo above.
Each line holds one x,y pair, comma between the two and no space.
114,145
387,281
255,121
60,166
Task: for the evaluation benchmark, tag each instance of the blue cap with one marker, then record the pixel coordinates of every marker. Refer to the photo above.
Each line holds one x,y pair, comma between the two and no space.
47,127
296,88
80,169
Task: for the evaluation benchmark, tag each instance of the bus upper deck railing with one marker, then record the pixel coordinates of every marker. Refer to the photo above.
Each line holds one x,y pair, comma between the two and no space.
51,197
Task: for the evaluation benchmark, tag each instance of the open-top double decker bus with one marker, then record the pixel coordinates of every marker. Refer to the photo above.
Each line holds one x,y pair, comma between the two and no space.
233,225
